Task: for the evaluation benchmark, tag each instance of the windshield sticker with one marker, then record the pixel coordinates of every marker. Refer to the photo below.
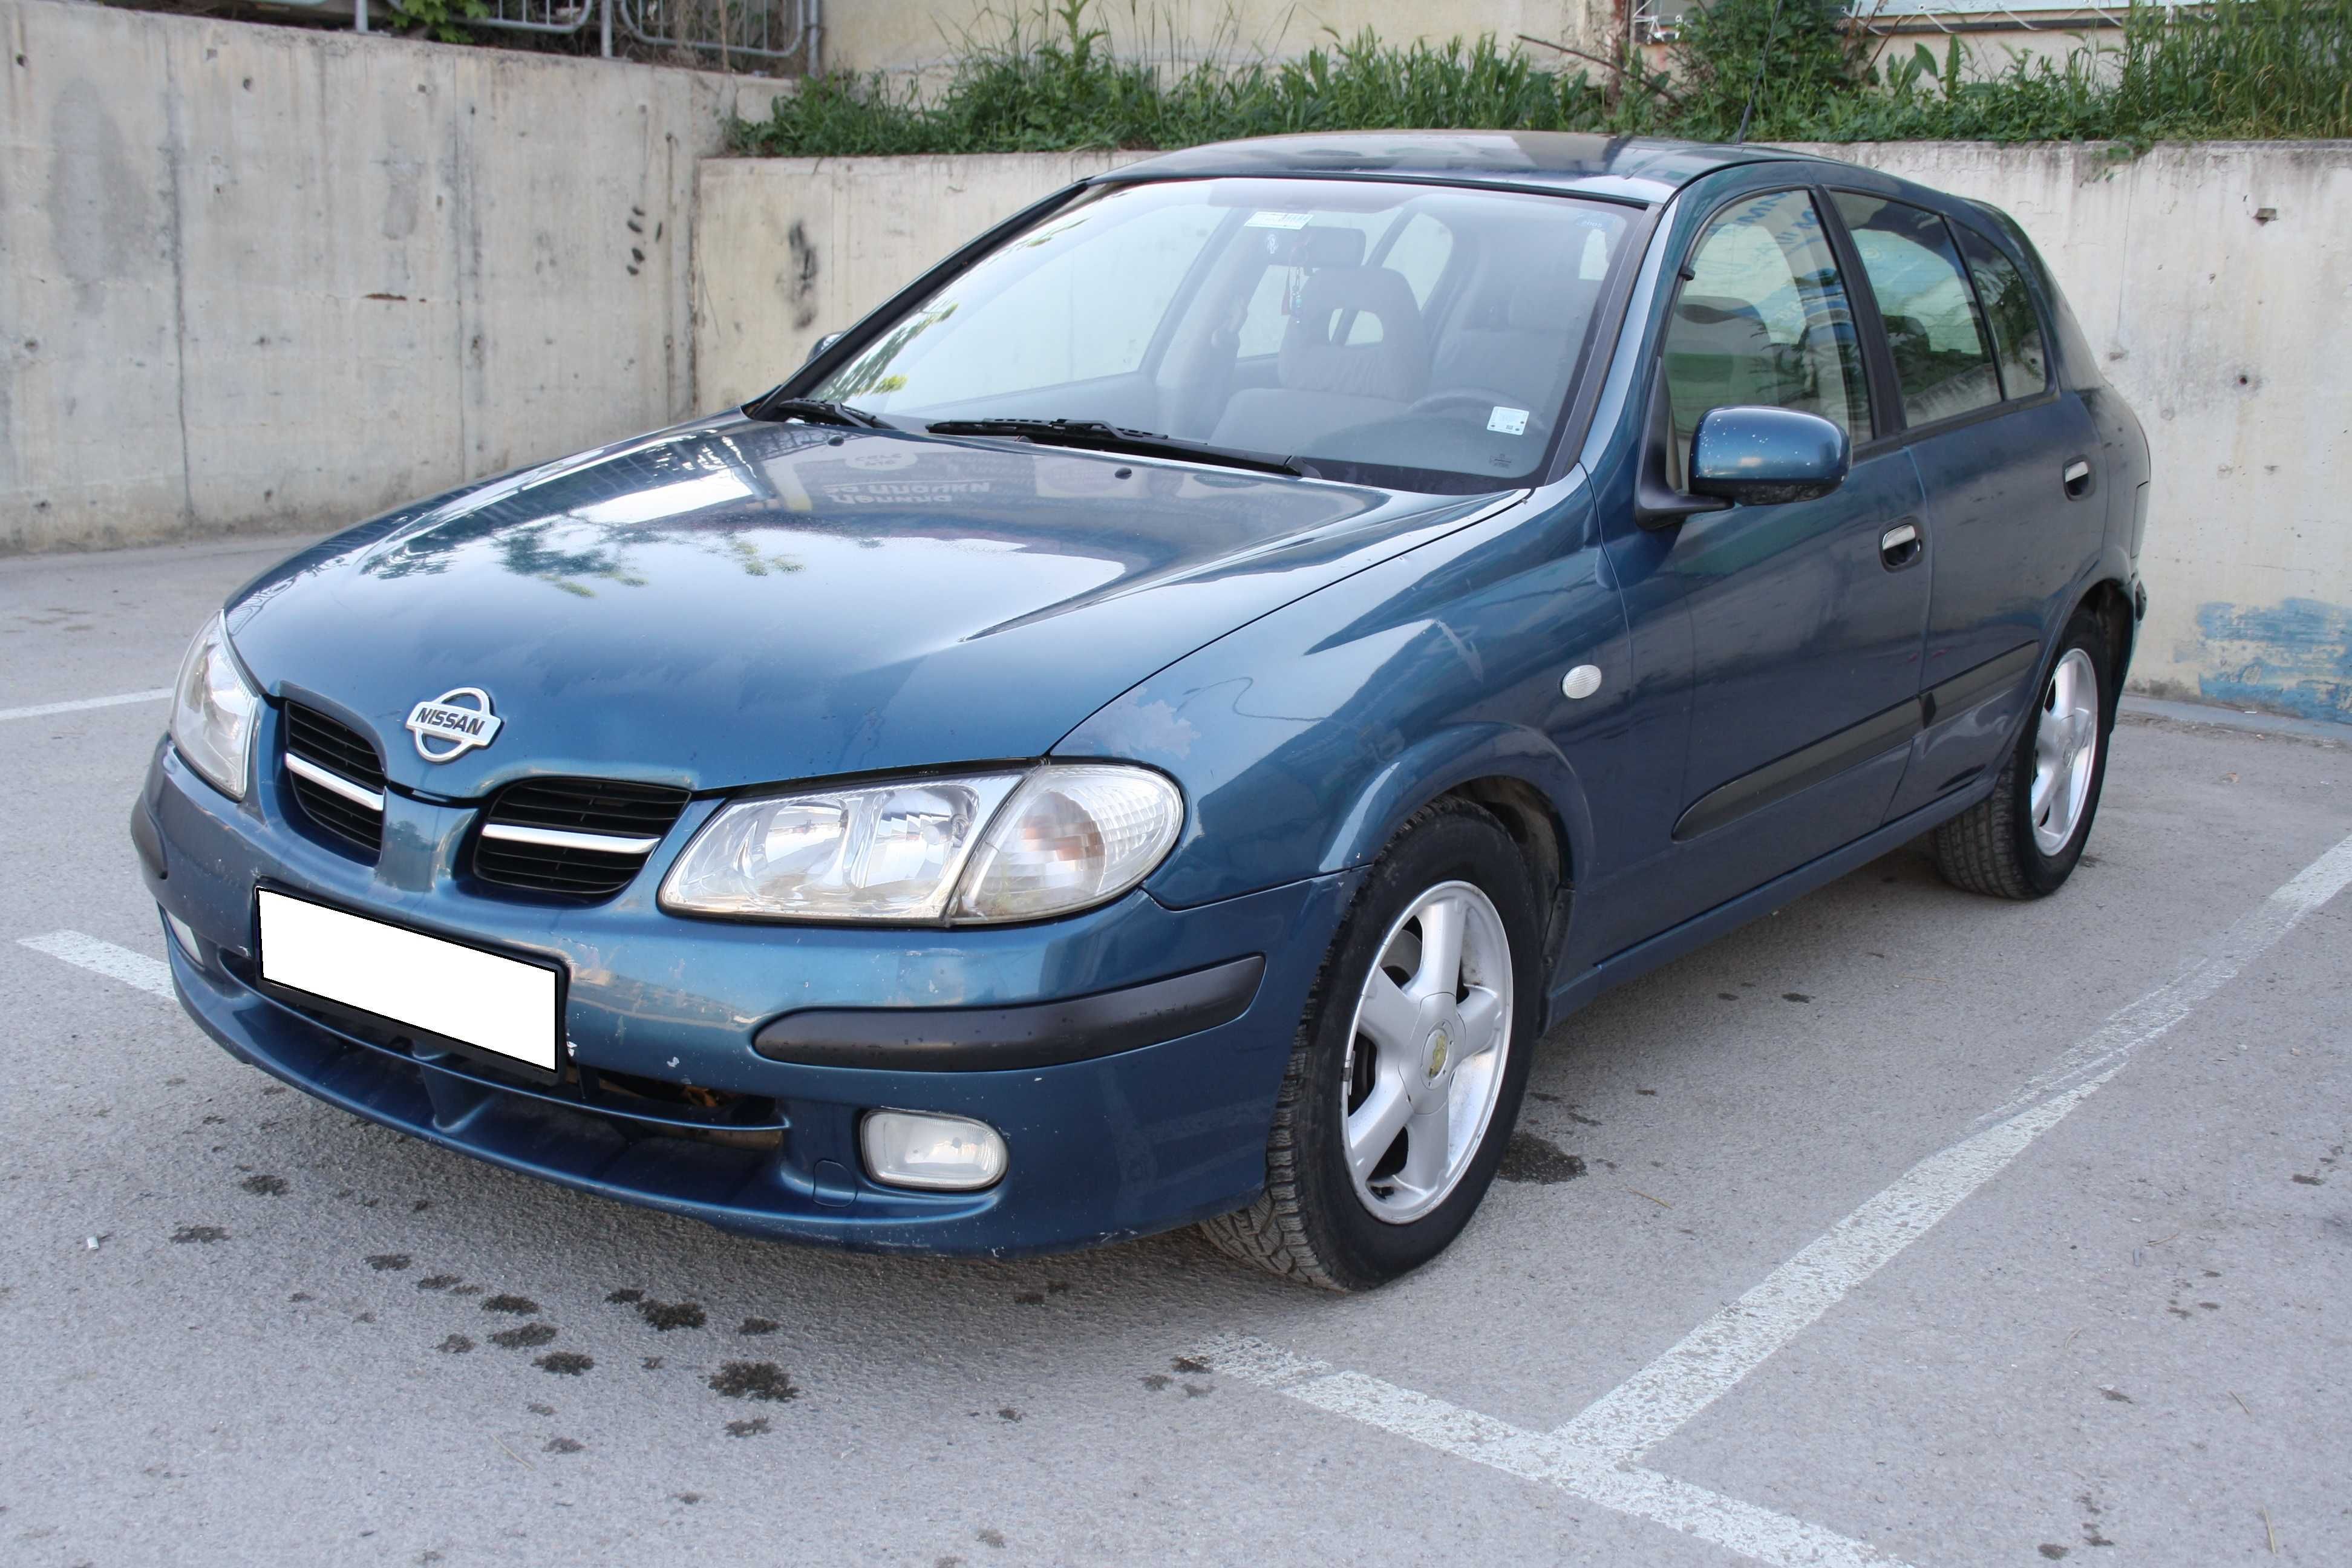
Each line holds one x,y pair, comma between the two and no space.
1508,421
1277,220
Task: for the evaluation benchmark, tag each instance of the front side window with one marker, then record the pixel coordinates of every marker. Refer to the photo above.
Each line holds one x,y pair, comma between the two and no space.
1942,361
1299,318
1762,320
2008,312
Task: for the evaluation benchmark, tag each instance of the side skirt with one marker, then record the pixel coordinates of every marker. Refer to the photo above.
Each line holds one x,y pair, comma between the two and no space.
1700,930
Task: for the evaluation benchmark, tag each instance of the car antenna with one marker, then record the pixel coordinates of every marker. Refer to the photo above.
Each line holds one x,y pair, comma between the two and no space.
1748,111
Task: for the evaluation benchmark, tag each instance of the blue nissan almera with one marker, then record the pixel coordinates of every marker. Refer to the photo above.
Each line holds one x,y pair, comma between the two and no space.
1152,725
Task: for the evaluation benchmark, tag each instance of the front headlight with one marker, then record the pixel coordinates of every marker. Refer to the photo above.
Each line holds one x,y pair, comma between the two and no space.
967,849
212,712
1071,838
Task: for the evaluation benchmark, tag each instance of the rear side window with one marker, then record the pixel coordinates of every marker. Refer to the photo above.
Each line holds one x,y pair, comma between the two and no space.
1943,360
2008,312
1762,318
2073,360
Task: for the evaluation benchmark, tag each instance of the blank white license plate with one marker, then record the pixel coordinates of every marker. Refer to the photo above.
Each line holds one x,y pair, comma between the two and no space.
499,1005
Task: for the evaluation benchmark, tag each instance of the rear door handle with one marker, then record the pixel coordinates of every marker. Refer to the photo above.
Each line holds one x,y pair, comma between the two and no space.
2078,479
1899,546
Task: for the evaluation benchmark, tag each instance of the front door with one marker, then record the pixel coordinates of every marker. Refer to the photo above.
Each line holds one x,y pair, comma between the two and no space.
1805,621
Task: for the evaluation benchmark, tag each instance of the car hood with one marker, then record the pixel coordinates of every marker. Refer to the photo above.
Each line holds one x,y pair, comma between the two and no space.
737,602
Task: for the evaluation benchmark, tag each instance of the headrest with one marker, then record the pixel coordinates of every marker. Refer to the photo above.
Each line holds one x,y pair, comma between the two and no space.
1376,290
1321,247
1712,309
1706,323
1395,367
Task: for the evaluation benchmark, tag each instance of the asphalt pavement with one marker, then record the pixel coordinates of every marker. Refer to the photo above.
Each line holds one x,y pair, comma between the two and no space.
1902,1226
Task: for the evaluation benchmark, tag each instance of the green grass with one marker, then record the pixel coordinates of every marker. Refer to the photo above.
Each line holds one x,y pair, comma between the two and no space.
2243,68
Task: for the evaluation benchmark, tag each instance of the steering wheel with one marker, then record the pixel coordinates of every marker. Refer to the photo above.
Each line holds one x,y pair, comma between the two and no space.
1481,401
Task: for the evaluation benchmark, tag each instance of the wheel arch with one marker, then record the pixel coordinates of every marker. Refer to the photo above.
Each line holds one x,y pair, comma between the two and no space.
1515,774
2109,603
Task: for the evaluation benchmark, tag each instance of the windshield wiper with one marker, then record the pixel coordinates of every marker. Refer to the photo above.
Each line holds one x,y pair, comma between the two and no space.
1093,435
815,411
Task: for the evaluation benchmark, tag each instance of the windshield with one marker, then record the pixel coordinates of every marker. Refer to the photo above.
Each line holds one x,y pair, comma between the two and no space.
1415,336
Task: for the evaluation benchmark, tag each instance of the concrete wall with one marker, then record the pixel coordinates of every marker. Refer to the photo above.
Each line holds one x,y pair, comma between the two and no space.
925,36
2230,334
256,277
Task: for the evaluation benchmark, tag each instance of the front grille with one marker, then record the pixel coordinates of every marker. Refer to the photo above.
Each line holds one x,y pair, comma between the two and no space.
335,747
582,810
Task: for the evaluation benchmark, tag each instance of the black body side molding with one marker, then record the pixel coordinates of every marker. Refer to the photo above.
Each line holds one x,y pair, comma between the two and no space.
1971,686
1856,744
1030,1035
1825,758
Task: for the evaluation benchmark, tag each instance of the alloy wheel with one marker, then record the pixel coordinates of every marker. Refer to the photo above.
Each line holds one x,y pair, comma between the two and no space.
2065,750
1426,1055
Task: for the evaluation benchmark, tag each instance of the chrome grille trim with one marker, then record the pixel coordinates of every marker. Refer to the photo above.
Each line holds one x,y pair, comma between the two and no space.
335,775
582,838
557,838
335,783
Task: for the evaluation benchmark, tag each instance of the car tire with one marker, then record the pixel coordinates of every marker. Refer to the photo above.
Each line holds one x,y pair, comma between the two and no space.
1347,1216
2022,840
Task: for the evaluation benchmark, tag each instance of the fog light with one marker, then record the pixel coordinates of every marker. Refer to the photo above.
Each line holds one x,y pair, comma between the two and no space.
946,1153
186,934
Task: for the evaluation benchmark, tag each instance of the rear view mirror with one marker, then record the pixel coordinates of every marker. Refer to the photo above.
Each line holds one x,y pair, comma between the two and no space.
818,347
1754,455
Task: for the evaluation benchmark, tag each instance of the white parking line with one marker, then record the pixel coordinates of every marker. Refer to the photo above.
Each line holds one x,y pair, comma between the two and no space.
1742,1526
1639,1413
149,975
1593,1455
41,710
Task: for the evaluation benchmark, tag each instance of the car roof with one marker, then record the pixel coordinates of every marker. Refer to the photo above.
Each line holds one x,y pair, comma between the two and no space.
1614,168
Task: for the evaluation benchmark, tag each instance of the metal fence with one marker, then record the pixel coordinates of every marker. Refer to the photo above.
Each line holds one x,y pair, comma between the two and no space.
753,29
1658,21
723,30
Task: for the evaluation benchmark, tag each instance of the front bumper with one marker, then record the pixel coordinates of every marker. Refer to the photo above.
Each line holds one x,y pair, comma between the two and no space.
1101,1147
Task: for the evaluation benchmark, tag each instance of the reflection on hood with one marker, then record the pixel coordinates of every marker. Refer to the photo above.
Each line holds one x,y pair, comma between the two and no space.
739,601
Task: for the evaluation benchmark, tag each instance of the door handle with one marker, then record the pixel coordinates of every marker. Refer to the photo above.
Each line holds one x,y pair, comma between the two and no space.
1901,546
2078,479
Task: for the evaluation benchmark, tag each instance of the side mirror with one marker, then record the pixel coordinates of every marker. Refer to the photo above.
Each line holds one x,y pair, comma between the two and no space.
1761,457
818,347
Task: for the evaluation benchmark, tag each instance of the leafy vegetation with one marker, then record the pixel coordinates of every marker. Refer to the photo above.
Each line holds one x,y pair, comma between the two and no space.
2238,69
440,19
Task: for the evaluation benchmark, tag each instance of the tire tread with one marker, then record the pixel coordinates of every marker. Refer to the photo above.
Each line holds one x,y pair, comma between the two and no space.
1988,848
1976,851
1273,1233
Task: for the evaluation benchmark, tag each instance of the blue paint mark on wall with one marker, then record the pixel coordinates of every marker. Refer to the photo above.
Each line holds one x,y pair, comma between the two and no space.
2292,658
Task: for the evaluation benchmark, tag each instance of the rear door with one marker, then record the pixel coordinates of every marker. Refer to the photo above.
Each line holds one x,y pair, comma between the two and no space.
2010,464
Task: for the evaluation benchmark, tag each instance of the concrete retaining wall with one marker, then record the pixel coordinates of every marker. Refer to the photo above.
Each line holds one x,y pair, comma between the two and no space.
925,37
2229,332
260,277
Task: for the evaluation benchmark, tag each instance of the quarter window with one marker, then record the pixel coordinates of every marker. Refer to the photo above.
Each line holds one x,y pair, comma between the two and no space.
1943,362
2008,312
1762,318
